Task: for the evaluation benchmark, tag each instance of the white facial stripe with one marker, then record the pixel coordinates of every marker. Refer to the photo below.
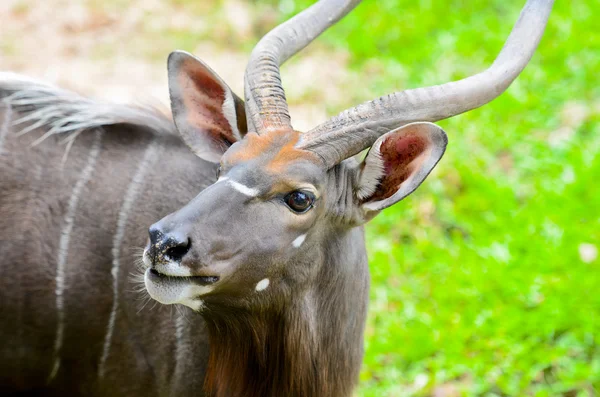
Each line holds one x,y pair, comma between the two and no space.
299,240
248,191
262,284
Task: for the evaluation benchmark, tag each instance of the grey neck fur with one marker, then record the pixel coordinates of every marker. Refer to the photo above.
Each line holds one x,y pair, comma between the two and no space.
311,345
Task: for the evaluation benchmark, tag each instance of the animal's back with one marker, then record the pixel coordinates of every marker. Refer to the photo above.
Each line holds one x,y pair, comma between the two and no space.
70,229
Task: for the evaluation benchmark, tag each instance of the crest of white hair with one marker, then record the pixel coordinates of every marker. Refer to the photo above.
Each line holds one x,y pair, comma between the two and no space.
60,111
372,172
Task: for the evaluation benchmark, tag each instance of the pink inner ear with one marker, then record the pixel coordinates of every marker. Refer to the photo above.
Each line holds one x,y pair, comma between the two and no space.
203,99
401,155
400,151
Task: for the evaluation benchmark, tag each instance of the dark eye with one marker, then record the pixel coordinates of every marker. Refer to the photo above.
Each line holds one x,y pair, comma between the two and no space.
299,201
218,172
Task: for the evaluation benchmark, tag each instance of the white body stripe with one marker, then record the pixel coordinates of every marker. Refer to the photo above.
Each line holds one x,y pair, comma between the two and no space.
248,191
63,248
128,201
5,124
180,348
299,240
181,351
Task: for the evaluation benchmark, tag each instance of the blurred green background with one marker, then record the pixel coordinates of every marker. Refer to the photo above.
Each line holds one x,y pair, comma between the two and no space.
486,280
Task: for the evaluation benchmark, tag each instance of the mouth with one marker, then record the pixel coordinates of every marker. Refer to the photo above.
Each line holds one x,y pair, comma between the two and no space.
198,280
185,290
171,271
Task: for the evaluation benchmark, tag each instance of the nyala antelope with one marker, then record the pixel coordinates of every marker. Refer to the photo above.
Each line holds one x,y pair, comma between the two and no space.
255,229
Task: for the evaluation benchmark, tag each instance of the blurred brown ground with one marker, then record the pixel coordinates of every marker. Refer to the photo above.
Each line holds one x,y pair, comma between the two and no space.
117,49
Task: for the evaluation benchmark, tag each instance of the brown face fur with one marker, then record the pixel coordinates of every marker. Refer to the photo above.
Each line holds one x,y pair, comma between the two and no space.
244,233
274,270
280,145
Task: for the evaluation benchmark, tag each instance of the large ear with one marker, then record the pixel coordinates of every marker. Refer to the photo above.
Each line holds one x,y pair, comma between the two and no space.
208,115
397,163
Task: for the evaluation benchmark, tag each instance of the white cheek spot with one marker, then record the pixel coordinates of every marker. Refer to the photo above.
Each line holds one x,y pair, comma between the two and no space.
248,191
262,284
299,240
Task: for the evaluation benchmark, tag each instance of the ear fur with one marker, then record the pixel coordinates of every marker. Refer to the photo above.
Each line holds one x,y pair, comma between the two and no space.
397,163
208,115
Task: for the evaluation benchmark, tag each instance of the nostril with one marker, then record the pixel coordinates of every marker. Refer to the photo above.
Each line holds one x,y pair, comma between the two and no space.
177,252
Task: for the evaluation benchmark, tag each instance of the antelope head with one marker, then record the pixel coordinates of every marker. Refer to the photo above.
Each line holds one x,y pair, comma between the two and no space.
259,235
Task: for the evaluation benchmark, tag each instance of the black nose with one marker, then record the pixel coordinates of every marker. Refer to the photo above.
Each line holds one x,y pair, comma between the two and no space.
167,246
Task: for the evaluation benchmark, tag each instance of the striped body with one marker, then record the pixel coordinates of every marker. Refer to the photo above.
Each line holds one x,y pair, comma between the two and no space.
79,226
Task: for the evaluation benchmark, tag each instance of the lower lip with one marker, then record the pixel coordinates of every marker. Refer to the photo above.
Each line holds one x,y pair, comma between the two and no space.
166,290
169,290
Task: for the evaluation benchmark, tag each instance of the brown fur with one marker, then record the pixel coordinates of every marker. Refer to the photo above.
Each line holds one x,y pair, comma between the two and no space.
257,145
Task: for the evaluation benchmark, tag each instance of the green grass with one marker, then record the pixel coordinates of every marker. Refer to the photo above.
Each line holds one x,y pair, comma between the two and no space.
478,284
